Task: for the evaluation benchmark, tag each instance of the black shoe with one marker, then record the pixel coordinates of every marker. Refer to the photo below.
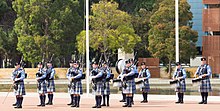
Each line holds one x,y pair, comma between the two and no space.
201,102
18,107
39,105
205,102
177,102
125,105
181,102
74,105
15,104
103,105
98,106
144,101
49,103
122,100
129,106
70,104
107,105
94,106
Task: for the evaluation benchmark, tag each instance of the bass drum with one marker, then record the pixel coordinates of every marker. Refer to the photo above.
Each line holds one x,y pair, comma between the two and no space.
120,64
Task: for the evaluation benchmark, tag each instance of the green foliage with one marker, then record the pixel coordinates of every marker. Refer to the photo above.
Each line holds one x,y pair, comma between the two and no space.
188,74
3,8
2,37
110,28
162,33
47,26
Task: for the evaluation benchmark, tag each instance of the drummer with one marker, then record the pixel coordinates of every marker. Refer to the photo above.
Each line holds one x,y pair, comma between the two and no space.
180,75
144,73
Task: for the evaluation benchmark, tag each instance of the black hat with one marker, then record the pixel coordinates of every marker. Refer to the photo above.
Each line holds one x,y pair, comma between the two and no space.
71,61
203,59
143,63
127,61
50,62
178,63
17,63
95,63
131,60
40,63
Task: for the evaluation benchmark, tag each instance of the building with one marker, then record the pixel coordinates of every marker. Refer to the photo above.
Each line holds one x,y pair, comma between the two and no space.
211,38
196,9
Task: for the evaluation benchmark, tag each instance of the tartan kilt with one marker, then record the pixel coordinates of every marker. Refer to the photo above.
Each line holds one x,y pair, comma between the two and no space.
181,86
107,88
42,87
205,86
50,85
75,88
131,87
21,89
99,88
146,87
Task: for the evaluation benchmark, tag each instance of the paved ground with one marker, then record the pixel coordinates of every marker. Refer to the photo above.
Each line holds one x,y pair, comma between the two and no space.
156,103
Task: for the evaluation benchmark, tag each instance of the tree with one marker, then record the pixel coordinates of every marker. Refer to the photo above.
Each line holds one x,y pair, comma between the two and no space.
7,18
47,26
110,29
141,11
162,33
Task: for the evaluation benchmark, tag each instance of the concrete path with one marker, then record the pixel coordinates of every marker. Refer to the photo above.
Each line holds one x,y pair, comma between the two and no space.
156,103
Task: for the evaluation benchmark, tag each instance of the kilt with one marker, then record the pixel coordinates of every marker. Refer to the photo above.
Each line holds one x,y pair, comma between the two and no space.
106,88
99,88
146,87
131,87
205,86
75,88
42,87
50,85
181,86
20,90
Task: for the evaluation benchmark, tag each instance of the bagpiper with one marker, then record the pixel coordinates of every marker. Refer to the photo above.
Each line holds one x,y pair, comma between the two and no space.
134,67
204,72
180,75
128,85
50,82
97,84
106,80
144,73
18,76
74,75
41,84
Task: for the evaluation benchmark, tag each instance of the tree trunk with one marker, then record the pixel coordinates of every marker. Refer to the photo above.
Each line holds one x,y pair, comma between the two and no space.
169,72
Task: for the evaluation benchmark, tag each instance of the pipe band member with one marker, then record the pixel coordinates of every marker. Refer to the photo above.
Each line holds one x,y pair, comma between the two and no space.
41,84
145,73
180,75
74,75
106,80
204,72
134,67
97,84
128,87
18,76
50,82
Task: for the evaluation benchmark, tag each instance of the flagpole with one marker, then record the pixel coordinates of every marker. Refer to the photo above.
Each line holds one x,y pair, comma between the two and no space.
87,48
177,29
